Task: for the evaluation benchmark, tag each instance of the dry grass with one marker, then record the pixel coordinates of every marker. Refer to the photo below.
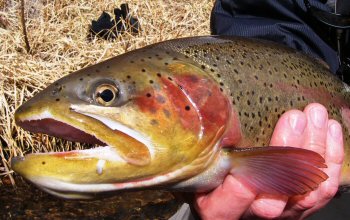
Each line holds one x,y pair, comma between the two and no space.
57,32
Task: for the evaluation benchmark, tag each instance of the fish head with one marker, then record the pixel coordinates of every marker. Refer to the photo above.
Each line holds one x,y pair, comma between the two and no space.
155,117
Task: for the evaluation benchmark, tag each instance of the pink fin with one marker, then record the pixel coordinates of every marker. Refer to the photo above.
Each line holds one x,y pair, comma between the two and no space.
278,170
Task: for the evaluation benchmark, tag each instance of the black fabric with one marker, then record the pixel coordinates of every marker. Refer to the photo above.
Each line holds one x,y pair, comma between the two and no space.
283,21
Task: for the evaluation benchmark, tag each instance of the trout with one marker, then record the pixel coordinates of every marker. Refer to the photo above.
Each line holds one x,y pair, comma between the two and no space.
181,115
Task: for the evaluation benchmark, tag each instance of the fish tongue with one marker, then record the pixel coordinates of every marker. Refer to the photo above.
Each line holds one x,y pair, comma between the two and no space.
278,170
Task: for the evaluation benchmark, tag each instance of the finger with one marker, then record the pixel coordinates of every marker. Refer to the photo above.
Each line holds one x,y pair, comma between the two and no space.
228,201
316,130
315,140
334,157
289,131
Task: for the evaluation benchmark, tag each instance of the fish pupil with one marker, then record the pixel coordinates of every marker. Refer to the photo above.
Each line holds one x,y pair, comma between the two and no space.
107,95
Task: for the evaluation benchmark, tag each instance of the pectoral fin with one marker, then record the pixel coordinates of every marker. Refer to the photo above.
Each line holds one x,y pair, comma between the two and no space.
278,170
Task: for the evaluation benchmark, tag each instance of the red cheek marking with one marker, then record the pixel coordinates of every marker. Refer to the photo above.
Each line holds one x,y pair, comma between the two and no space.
182,105
147,103
210,102
172,103
213,107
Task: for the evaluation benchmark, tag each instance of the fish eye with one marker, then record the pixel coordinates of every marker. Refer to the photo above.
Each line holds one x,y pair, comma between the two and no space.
106,94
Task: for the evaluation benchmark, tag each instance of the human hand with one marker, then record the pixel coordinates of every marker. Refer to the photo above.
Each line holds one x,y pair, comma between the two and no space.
311,130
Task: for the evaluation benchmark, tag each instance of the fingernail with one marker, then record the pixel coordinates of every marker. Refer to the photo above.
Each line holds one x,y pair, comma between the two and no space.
297,123
318,116
335,130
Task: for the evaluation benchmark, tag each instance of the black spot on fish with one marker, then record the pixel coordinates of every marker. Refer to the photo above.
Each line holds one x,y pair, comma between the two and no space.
218,75
260,100
187,108
81,79
143,70
148,95
43,163
107,66
159,75
169,78
203,67
57,100
128,76
166,63
131,61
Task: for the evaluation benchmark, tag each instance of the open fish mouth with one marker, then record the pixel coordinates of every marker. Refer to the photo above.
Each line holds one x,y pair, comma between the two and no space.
59,129
50,124
98,159
101,153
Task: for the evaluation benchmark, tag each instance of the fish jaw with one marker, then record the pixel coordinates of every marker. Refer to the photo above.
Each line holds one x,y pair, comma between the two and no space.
31,163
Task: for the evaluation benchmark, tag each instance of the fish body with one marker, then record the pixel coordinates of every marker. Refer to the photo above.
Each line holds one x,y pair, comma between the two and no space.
182,114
